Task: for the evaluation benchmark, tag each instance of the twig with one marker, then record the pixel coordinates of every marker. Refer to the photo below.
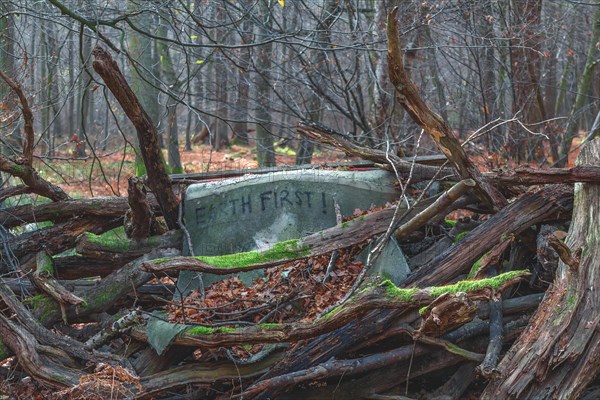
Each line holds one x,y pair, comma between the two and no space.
334,254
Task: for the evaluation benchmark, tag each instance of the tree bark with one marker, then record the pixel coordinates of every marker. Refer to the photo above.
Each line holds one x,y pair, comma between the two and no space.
559,352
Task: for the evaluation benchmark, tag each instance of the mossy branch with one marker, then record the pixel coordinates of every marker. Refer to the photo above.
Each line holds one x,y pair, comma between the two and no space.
379,294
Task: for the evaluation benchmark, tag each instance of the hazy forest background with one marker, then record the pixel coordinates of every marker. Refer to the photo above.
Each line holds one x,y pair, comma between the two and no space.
521,74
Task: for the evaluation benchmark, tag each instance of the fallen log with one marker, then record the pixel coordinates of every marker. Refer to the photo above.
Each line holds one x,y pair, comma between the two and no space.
118,249
274,387
56,239
105,207
375,296
554,201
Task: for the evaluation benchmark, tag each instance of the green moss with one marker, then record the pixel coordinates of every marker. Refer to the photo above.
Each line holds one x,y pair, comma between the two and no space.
114,240
280,251
96,299
395,292
4,352
16,170
345,224
423,309
450,223
461,236
247,347
59,378
43,306
330,313
468,286
267,325
476,267
205,330
45,265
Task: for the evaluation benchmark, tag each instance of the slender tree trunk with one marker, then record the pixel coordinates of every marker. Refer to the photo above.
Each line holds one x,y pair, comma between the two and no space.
525,64
140,50
265,152
220,79
172,129
316,73
583,89
240,126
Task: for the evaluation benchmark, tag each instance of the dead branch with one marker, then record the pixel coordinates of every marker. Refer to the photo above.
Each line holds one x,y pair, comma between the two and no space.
379,296
410,98
158,180
325,135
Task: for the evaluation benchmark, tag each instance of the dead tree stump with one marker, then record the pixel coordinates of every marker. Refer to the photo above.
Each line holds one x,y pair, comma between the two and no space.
558,354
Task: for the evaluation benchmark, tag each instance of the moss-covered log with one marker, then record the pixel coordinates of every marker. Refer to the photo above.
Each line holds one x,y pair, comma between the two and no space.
376,296
58,238
101,297
121,248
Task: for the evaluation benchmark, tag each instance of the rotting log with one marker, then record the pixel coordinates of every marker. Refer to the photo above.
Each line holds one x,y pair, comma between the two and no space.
531,176
105,207
101,297
530,209
158,180
375,296
414,104
189,374
42,368
426,360
119,249
140,221
559,352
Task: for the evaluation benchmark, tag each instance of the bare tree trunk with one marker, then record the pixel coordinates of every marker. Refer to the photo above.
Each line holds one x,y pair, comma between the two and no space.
583,88
240,126
317,77
265,152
